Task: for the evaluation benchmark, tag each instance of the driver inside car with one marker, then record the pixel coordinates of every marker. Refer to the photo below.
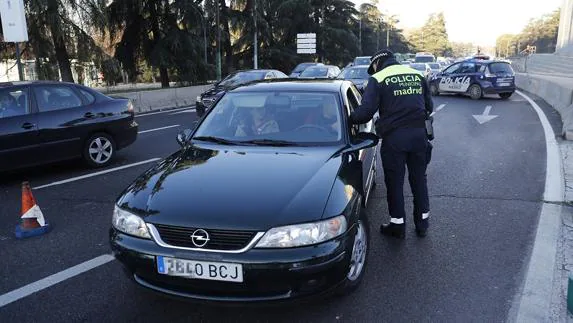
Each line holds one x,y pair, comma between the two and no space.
327,117
260,122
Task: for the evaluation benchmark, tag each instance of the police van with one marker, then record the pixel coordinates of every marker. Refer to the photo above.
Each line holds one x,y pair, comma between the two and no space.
475,77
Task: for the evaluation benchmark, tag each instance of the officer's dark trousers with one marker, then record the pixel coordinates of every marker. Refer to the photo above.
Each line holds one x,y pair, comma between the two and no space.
400,149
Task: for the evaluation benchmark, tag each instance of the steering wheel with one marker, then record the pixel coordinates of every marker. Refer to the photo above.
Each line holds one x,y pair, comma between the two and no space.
311,126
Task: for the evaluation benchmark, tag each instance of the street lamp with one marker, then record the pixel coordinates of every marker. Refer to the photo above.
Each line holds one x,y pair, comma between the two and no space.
256,44
218,44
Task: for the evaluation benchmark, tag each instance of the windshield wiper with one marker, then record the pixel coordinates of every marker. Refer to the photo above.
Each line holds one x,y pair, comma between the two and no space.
216,139
270,142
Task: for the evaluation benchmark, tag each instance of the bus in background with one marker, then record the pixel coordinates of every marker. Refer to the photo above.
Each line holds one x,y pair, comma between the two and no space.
424,58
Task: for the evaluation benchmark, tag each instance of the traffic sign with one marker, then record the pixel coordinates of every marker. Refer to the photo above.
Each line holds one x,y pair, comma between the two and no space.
13,21
306,43
306,51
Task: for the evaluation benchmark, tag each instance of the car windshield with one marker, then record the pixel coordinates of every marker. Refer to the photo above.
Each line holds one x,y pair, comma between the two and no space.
315,72
419,67
241,78
435,66
301,67
286,117
362,61
500,68
355,73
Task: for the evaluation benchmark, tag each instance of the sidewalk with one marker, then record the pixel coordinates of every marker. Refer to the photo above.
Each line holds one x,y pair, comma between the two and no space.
564,254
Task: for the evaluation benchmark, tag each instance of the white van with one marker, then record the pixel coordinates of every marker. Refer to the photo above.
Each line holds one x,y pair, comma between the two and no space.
424,58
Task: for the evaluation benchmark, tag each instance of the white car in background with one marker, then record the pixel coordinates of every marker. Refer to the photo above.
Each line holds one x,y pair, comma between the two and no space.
422,67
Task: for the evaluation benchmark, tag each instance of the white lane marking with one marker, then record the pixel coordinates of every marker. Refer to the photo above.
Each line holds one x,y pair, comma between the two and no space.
440,107
485,117
157,129
54,279
184,111
554,185
73,179
166,111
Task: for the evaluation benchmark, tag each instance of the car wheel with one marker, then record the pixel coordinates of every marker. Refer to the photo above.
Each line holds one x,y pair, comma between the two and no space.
359,256
475,92
505,96
99,150
434,90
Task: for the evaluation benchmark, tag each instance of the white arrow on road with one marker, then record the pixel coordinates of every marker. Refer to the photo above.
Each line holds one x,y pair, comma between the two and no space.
485,117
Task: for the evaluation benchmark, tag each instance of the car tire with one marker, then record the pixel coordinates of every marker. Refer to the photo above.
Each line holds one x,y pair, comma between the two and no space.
505,96
434,90
475,92
99,150
360,251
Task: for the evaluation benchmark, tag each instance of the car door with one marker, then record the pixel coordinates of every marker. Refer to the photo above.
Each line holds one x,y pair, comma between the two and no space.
64,119
19,136
448,77
466,76
366,156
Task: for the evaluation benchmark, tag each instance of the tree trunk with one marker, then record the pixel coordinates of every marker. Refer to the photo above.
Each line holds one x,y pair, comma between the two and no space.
163,73
227,37
60,44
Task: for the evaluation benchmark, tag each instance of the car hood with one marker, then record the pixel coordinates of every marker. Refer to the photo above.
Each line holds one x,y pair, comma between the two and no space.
239,188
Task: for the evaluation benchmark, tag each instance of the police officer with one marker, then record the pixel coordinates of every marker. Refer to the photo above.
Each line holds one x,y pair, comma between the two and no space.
400,95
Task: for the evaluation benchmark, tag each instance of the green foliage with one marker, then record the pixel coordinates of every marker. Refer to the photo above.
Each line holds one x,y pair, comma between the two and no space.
539,32
432,37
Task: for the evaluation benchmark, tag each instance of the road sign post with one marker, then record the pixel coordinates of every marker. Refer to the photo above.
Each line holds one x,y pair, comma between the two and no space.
306,43
14,27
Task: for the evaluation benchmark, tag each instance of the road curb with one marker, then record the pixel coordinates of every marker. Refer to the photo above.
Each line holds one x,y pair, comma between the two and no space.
534,300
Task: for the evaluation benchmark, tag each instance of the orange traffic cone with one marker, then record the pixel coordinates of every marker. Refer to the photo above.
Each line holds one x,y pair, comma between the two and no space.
33,222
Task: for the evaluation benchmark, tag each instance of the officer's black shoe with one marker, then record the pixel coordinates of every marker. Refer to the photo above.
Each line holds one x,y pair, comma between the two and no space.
393,230
421,232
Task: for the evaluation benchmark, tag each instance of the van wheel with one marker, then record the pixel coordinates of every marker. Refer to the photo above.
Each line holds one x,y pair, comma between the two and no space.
99,150
475,92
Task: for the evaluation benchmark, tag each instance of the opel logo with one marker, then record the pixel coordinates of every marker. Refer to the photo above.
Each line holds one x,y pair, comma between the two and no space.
200,238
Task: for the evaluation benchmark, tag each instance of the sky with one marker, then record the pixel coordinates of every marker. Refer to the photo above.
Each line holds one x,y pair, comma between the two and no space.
480,22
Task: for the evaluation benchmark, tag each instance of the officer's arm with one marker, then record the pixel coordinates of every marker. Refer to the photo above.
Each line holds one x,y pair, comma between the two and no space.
427,97
369,105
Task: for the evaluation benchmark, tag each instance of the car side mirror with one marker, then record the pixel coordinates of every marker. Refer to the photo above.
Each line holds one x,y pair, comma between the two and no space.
364,140
183,136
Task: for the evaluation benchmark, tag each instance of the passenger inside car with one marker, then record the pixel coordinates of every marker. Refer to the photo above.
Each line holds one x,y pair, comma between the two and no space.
9,106
260,121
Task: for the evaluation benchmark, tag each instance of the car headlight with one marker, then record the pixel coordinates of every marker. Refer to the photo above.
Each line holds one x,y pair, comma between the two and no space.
129,223
198,99
298,235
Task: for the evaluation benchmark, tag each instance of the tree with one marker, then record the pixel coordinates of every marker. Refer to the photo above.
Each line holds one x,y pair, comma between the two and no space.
432,37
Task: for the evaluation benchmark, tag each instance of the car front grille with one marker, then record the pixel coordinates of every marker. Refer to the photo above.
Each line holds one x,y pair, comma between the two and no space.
218,239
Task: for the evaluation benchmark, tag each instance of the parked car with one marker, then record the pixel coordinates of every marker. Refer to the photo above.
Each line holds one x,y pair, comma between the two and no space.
43,122
247,212
324,71
301,67
357,75
475,77
206,99
361,60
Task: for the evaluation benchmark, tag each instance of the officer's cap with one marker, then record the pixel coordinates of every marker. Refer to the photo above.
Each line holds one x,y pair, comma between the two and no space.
378,59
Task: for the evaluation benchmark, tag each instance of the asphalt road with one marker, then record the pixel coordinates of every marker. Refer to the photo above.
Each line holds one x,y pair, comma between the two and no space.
486,183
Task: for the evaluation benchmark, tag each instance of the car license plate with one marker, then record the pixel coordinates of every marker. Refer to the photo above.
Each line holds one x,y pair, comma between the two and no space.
200,269
503,84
